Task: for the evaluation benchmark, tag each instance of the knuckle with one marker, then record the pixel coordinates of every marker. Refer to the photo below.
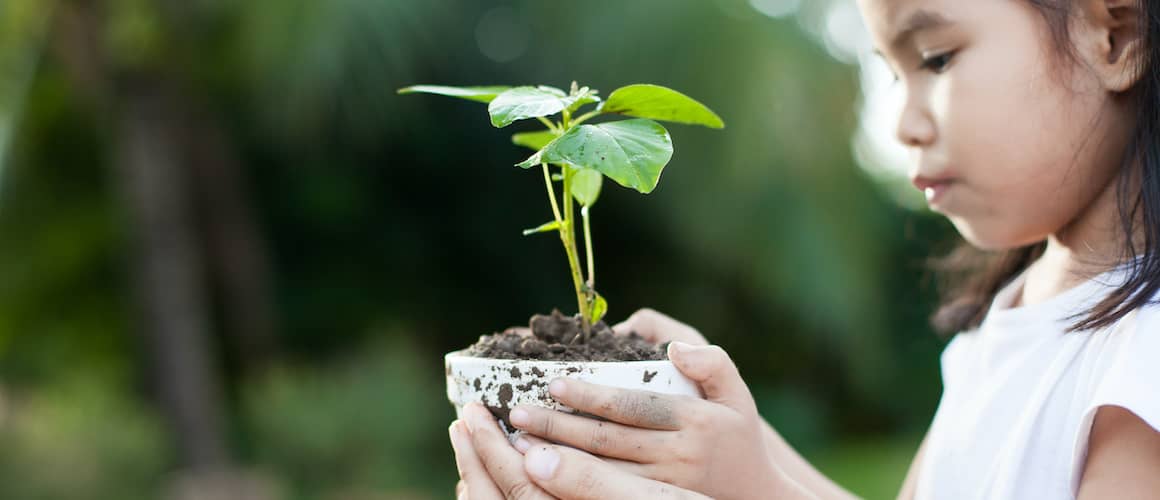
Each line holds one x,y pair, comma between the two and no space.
688,455
587,398
548,425
599,439
520,490
697,419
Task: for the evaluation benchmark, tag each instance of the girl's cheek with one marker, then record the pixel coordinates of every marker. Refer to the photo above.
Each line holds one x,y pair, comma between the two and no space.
942,96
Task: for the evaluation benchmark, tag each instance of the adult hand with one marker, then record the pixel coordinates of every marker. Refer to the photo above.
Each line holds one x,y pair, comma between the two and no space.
491,469
714,446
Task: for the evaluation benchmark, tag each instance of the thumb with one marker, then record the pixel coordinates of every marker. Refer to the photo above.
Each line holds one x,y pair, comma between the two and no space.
711,368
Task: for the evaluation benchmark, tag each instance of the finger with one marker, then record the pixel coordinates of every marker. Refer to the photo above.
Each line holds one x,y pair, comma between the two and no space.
658,328
645,409
472,473
503,463
527,441
636,469
608,439
571,474
712,369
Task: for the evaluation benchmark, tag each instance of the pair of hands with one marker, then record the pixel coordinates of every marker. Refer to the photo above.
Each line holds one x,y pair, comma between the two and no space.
655,445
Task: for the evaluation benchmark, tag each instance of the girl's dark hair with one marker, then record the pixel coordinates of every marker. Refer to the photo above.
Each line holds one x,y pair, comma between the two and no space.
971,278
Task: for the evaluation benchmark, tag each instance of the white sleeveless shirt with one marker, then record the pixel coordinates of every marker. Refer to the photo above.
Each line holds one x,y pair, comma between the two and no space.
1020,394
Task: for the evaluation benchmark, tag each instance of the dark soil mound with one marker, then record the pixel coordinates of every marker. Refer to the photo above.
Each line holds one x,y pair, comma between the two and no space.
557,338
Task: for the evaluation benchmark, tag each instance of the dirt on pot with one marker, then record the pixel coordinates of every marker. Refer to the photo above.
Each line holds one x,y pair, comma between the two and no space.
556,337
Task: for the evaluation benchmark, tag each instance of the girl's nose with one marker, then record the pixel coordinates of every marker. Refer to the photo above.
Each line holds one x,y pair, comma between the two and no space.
915,127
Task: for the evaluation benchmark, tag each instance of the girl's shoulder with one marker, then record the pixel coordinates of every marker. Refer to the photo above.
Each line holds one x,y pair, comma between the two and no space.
1120,364
1122,367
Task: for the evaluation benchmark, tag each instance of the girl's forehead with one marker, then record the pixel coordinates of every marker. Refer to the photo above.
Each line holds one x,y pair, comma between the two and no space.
895,14
893,20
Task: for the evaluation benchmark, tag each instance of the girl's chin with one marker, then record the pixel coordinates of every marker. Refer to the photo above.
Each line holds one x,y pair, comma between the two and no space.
989,238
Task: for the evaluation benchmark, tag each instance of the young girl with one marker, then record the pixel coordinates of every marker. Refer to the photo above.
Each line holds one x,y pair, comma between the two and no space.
1035,127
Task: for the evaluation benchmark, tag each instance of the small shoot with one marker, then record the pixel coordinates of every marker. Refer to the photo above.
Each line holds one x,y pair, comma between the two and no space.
632,152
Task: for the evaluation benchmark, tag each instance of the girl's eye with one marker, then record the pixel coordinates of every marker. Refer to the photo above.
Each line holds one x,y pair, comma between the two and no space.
937,63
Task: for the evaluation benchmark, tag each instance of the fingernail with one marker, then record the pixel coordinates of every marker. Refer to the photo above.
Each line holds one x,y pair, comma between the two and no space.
522,445
462,495
679,347
519,417
466,416
542,462
456,434
557,388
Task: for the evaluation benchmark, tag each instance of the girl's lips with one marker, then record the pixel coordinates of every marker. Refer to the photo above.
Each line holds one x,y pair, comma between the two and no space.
934,188
936,192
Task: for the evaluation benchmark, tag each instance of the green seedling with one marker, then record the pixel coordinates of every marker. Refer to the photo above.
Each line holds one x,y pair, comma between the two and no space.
579,155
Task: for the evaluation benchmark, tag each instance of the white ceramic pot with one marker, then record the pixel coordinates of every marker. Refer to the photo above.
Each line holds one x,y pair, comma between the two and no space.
503,384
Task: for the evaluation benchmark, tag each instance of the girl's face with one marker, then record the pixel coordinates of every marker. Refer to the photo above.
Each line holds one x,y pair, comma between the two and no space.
1009,139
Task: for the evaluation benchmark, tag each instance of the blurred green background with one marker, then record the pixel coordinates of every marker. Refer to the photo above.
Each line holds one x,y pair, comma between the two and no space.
231,257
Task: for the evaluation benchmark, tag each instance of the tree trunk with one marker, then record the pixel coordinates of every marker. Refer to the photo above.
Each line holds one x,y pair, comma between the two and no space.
168,274
164,251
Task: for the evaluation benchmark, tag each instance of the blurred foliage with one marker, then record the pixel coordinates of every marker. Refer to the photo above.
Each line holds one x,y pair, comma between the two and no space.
364,425
872,467
81,438
394,227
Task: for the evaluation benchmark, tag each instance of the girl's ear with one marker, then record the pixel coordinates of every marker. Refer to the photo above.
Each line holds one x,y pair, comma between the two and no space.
1110,40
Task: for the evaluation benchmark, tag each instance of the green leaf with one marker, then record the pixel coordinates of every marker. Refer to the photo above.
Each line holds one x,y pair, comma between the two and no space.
479,94
584,96
631,152
543,228
586,186
597,308
521,103
533,140
660,103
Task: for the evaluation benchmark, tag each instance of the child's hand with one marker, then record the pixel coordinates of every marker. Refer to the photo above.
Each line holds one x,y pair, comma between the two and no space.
658,328
490,469
713,446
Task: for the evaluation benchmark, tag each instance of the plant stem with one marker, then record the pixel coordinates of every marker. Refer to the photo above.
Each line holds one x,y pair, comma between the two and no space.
568,235
547,123
588,249
552,195
584,117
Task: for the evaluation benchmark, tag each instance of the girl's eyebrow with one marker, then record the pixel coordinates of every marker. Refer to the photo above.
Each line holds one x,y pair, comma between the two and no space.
918,20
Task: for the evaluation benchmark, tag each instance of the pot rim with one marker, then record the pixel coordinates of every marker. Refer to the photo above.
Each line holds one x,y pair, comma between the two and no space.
459,355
